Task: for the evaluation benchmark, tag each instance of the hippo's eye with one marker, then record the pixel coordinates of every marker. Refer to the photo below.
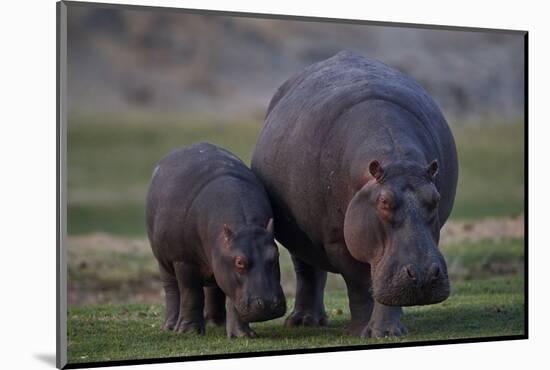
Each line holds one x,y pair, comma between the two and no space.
240,263
385,203
385,209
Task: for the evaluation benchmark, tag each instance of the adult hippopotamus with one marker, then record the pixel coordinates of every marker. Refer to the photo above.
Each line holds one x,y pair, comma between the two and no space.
361,169
210,225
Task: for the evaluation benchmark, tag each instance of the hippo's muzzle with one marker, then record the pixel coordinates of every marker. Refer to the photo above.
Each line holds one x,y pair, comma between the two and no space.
256,309
412,285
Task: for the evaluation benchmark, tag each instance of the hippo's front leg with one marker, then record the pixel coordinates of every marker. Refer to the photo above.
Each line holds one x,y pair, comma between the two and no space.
360,305
385,322
191,317
370,319
234,326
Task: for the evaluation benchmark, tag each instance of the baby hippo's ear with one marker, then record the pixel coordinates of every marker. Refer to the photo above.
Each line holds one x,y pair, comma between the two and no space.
269,226
227,235
433,167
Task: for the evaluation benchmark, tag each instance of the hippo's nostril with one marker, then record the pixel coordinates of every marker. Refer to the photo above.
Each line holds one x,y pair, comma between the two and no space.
434,271
260,303
409,269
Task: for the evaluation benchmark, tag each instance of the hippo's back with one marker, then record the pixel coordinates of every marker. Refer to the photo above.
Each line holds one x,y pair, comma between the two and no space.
307,106
182,175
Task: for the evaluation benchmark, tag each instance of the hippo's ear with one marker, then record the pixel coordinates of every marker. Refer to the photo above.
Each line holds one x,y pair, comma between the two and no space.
227,234
376,170
433,167
269,226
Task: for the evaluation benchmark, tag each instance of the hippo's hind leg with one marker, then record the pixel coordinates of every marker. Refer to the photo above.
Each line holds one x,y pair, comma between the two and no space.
214,308
191,307
172,297
309,309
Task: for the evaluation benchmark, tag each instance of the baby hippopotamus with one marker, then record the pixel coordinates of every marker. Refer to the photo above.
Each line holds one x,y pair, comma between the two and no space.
210,225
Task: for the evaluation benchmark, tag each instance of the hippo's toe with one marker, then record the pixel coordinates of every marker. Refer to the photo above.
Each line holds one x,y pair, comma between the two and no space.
241,331
382,331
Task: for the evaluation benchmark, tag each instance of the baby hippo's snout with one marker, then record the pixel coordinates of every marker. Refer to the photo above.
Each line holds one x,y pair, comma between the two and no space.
266,308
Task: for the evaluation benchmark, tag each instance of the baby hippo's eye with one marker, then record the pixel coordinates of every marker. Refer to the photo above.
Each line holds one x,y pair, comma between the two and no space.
240,263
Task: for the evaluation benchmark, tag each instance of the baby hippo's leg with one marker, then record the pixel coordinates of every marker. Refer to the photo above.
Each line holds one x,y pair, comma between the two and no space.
214,309
172,297
234,326
191,299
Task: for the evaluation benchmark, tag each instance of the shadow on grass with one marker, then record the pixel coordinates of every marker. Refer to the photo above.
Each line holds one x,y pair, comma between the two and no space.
466,322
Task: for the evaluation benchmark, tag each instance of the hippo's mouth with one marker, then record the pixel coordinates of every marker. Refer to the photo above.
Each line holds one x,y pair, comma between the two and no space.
249,312
412,296
402,291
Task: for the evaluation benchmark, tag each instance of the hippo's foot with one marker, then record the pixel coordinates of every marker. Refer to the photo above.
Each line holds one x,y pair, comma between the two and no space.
169,325
383,330
355,328
308,307
306,318
185,326
235,327
238,331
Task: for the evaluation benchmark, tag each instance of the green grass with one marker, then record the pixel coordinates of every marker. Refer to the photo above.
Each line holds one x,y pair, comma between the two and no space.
110,163
484,259
487,299
491,171
486,308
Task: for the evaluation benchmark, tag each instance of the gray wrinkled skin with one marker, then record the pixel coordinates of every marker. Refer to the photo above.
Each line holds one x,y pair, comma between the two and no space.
361,169
210,225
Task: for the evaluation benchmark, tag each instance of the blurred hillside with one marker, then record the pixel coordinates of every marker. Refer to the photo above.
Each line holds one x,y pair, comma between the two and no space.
159,62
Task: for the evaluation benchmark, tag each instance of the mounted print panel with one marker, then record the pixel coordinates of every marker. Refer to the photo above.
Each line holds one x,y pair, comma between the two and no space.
235,184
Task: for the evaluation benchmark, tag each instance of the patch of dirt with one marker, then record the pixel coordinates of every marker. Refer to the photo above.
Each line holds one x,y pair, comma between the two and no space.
455,232
104,242
94,251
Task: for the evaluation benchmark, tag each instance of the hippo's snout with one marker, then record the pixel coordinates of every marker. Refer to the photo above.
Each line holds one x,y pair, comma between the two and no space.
413,285
432,274
263,309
